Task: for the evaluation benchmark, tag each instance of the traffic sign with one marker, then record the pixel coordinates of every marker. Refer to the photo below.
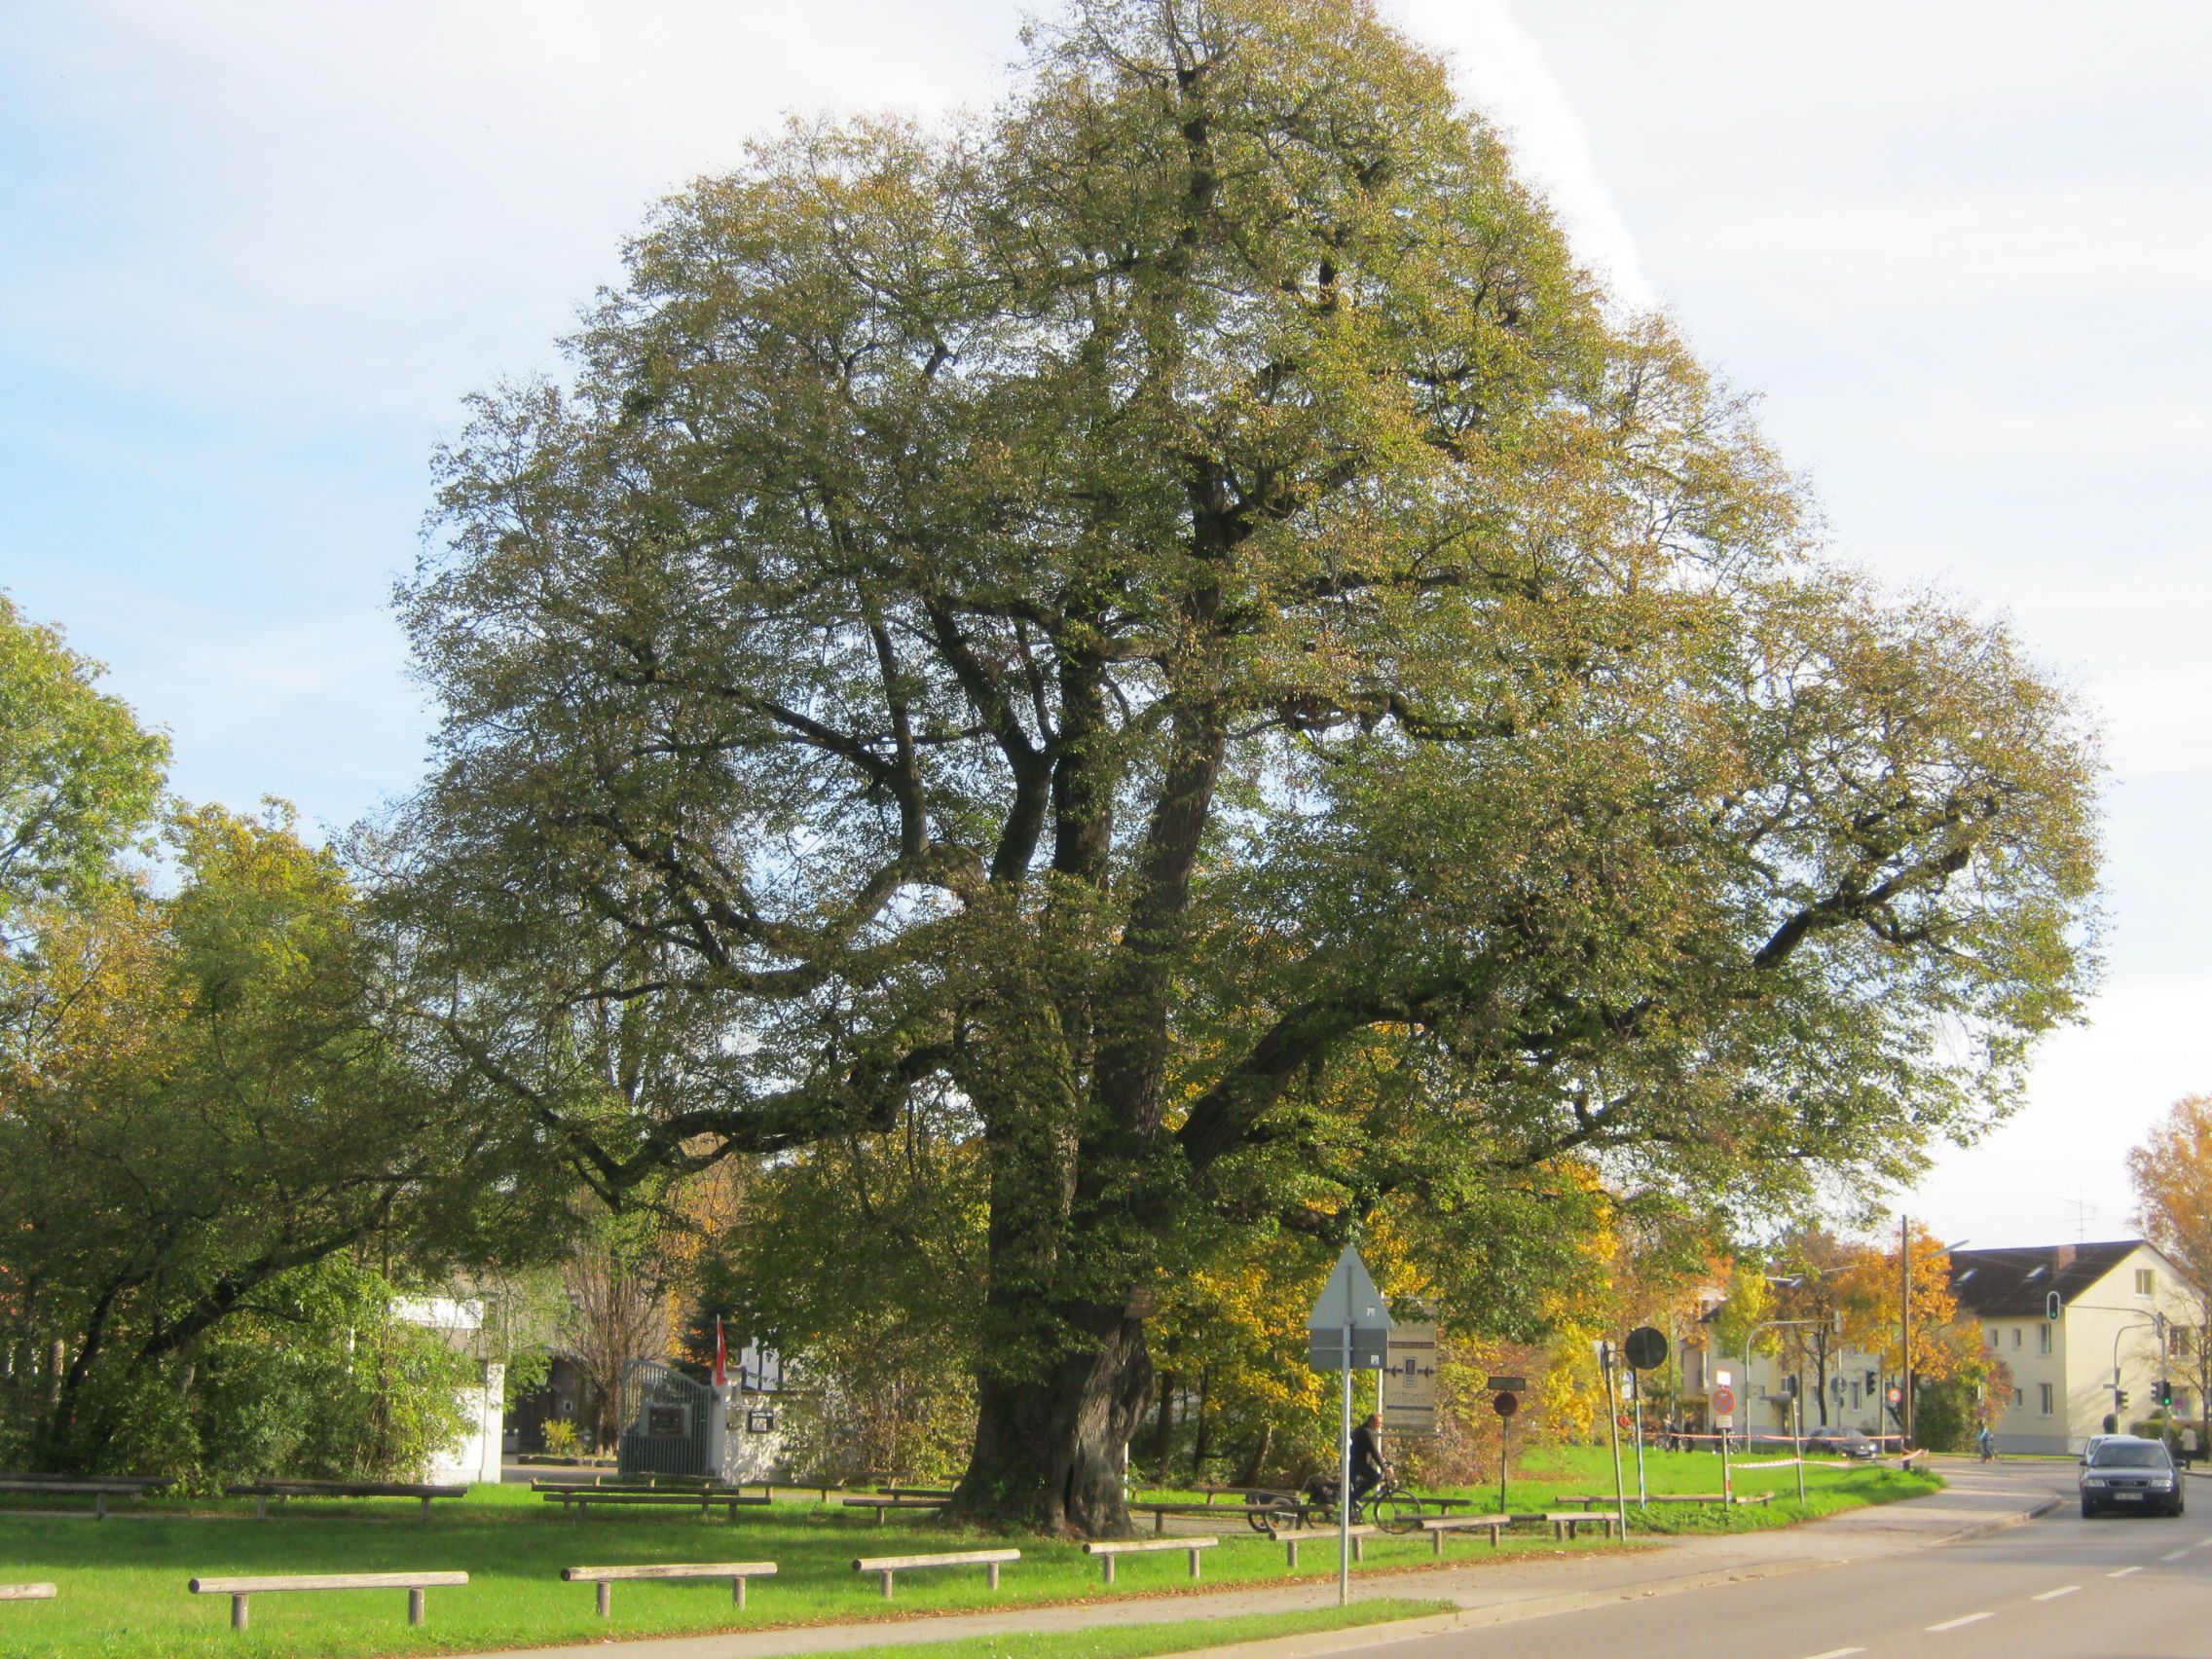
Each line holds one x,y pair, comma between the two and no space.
1508,1385
1349,1297
1724,1402
1645,1347
1505,1405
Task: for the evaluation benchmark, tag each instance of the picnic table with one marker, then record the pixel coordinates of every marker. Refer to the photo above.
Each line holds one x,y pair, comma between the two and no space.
99,1488
706,1499
261,1491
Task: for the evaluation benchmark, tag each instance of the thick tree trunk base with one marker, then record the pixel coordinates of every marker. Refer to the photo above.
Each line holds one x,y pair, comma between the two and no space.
1050,1452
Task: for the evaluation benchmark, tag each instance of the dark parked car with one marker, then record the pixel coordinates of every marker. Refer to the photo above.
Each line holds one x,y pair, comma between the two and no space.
1843,1442
2127,1473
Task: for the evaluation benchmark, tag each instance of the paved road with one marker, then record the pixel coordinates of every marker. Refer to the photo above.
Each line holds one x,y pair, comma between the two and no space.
2130,1587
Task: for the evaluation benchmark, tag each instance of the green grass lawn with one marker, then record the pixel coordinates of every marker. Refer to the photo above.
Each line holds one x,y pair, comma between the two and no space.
122,1581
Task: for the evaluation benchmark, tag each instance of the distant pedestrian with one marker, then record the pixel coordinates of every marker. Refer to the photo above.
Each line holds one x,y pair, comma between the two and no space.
2188,1444
1987,1442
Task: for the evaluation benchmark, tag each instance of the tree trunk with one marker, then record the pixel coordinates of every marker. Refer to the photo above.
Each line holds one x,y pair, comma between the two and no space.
1048,1449
1255,1465
1163,1426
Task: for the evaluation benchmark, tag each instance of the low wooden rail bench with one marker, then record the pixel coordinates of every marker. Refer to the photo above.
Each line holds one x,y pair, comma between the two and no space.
1567,1524
706,1500
736,1572
1493,1525
261,1491
1112,1550
238,1589
879,1505
26,1592
98,1487
886,1567
1326,1537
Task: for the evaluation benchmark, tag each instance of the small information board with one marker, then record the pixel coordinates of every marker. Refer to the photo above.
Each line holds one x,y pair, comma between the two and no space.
1409,1379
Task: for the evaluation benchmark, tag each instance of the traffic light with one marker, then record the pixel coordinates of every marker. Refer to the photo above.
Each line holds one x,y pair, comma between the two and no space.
2165,1393
2119,1399
2050,1305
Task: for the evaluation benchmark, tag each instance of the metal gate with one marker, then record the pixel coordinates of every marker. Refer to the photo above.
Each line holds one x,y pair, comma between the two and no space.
666,1425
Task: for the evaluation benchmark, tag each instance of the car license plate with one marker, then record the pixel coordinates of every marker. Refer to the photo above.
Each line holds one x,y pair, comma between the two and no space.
2127,1498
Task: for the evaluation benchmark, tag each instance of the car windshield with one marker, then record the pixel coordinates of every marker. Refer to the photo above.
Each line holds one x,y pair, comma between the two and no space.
2121,1456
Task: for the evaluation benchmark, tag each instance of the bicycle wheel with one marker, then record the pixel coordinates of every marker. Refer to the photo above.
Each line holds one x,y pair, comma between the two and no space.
1400,1512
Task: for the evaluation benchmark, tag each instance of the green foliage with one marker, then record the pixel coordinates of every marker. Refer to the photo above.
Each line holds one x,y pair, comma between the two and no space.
79,777
200,1120
1943,1416
1172,634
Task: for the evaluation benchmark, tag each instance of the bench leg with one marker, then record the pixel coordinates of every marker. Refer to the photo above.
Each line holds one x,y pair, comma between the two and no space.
993,1567
1195,1554
237,1612
1290,1550
887,1584
100,1506
1159,1523
426,1509
1438,1539
606,1599
737,1583
261,1509
1109,1561
1358,1548
415,1600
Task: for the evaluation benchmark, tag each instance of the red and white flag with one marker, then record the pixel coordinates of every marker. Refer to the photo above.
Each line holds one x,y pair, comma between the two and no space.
721,1354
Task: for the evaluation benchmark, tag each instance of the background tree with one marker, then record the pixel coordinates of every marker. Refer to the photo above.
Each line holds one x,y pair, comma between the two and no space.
1815,1281
2172,1174
79,777
1173,627
198,1114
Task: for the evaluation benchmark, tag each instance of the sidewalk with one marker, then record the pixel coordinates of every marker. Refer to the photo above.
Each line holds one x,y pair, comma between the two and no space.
1984,1498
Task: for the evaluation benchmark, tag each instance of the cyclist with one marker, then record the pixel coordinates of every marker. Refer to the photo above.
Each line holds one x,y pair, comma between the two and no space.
1367,1466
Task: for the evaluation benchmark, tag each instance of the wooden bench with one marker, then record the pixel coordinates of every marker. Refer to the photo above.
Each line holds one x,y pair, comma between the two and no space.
1568,1524
1112,1550
913,1491
888,1565
98,1487
736,1572
261,1491
706,1500
1161,1511
878,1506
1327,1537
1493,1525
238,1589
26,1592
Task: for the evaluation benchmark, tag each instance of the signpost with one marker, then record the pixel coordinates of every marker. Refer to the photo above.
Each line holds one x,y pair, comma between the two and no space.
1505,1402
1723,1418
1607,1357
1350,1327
1647,1350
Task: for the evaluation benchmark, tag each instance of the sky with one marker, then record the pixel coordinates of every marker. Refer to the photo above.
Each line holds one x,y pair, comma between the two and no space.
253,255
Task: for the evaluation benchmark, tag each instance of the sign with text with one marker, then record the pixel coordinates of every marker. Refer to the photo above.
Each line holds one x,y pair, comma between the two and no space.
1409,1379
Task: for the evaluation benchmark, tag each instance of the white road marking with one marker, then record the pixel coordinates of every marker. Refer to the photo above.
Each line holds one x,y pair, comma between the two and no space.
2173,1555
1839,1653
1970,1618
2124,1573
2053,1595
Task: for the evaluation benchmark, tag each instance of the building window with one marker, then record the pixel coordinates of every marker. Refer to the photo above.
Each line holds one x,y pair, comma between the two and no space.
2146,1279
2180,1337
2042,1398
2015,1336
2016,1396
2043,1338
1855,1396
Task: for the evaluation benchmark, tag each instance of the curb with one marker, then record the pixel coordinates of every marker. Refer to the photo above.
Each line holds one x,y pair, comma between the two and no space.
1497,1613
1317,1642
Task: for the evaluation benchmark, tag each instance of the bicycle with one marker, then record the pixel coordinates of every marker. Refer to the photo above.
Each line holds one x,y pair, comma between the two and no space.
1387,1505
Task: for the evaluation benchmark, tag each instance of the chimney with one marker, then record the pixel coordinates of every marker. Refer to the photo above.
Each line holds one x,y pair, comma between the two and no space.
2062,1258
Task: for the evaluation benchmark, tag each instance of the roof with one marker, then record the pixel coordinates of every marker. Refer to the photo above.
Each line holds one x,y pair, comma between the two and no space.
2015,1283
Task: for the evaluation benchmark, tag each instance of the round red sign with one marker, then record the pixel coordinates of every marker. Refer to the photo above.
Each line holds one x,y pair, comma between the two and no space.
1723,1401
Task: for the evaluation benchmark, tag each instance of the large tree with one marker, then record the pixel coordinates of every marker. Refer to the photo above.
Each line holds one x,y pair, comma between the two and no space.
1174,630
2172,1174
